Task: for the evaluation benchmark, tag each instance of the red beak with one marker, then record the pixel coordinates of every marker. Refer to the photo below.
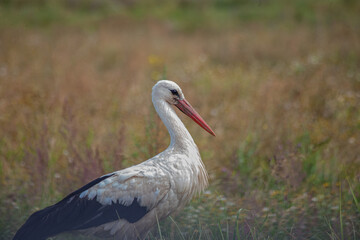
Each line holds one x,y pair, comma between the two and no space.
186,108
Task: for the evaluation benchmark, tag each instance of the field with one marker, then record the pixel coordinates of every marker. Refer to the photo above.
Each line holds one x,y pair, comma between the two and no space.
278,81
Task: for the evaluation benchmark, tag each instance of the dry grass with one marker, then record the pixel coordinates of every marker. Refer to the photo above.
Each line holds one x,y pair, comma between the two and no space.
283,100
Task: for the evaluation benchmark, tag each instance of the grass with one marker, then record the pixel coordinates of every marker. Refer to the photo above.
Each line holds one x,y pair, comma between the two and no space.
279,83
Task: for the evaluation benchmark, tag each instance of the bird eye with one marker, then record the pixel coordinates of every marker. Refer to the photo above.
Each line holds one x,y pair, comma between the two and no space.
174,92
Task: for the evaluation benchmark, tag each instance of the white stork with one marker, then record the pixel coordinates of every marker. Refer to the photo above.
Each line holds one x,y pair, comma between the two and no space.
126,204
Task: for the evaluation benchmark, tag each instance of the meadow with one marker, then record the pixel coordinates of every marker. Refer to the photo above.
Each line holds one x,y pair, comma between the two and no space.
278,81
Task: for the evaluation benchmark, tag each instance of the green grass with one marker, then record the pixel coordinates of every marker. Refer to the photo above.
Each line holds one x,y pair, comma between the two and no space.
188,17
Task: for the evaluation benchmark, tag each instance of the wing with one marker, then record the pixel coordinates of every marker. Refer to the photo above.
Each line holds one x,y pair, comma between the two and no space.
128,194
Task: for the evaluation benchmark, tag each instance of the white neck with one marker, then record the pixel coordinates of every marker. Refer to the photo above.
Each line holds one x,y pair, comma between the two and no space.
180,136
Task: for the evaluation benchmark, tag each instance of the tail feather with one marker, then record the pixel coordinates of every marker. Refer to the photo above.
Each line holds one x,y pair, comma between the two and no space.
76,213
38,226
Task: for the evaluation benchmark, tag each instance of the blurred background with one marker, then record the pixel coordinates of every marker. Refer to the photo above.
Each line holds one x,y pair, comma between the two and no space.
277,80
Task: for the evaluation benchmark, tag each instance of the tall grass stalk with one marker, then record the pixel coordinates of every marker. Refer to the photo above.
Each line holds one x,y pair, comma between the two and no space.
158,226
354,197
236,232
220,231
200,230
340,214
332,233
177,227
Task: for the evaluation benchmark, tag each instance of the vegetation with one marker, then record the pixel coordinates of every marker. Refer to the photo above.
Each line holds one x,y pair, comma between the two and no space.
278,81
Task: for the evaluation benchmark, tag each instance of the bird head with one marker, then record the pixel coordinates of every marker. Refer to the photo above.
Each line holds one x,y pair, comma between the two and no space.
172,93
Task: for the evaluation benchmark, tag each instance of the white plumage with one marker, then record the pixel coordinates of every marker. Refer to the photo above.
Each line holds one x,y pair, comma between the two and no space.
126,204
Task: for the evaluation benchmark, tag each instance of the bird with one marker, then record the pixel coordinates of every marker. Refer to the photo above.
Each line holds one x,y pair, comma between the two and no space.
126,204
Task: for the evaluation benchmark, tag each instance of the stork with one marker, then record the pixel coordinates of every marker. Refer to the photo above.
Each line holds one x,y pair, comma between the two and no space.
126,204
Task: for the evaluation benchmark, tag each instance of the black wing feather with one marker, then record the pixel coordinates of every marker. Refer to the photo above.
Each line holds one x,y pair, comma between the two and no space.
75,213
